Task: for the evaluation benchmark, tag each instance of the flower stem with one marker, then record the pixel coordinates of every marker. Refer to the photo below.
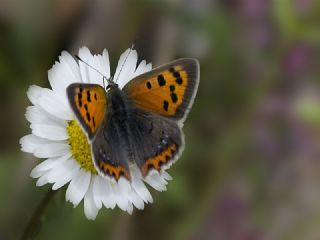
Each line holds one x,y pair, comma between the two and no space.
34,223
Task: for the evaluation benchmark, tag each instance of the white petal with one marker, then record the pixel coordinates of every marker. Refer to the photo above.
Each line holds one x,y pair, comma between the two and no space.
94,76
63,73
51,132
52,150
90,209
97,191
107,195
138,185
148,67
47,165
71,66
127,65
166,176
55,105
61,182
142,68
121,201
41,181
155,181
30,143
124,186
34,93
105,63
85,55
78,187
128,193
35,114
135,199
42,168
130,208
62,173
101,63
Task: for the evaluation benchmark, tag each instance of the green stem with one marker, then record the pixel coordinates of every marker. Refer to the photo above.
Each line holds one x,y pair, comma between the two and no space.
34,223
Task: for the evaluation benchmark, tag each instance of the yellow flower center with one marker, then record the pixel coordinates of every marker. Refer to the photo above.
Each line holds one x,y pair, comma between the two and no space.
80,148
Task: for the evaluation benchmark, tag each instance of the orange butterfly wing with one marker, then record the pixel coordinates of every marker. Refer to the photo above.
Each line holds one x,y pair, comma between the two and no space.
89,102
168,90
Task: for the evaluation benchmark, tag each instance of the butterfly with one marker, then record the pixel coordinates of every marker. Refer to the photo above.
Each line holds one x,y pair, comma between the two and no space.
139,124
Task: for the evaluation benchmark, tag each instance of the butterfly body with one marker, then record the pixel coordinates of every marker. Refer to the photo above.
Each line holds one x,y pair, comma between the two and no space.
118,113
139,124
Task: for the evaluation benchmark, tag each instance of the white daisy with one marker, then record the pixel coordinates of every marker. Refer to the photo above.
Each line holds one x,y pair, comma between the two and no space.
57,138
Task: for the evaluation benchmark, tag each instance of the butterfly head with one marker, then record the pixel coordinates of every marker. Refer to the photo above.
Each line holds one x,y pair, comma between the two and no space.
110,83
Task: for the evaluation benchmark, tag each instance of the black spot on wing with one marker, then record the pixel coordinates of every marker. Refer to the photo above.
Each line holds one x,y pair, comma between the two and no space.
88,117
80,98
174,97
165,105
93,122
149,86
88,96
176,74
161,80
179,81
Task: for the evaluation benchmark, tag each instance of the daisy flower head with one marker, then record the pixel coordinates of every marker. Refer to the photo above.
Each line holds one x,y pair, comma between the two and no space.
58,139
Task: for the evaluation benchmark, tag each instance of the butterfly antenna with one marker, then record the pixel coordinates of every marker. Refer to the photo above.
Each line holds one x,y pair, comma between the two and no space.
125,60
104,78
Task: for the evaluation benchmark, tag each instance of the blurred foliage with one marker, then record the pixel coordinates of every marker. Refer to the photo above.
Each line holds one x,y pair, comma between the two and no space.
250,168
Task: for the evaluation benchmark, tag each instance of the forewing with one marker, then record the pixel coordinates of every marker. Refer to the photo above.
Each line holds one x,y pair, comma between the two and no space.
156,141
89,103
168,90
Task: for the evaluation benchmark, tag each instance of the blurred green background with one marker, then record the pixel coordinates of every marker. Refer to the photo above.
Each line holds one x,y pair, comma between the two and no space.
251,166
